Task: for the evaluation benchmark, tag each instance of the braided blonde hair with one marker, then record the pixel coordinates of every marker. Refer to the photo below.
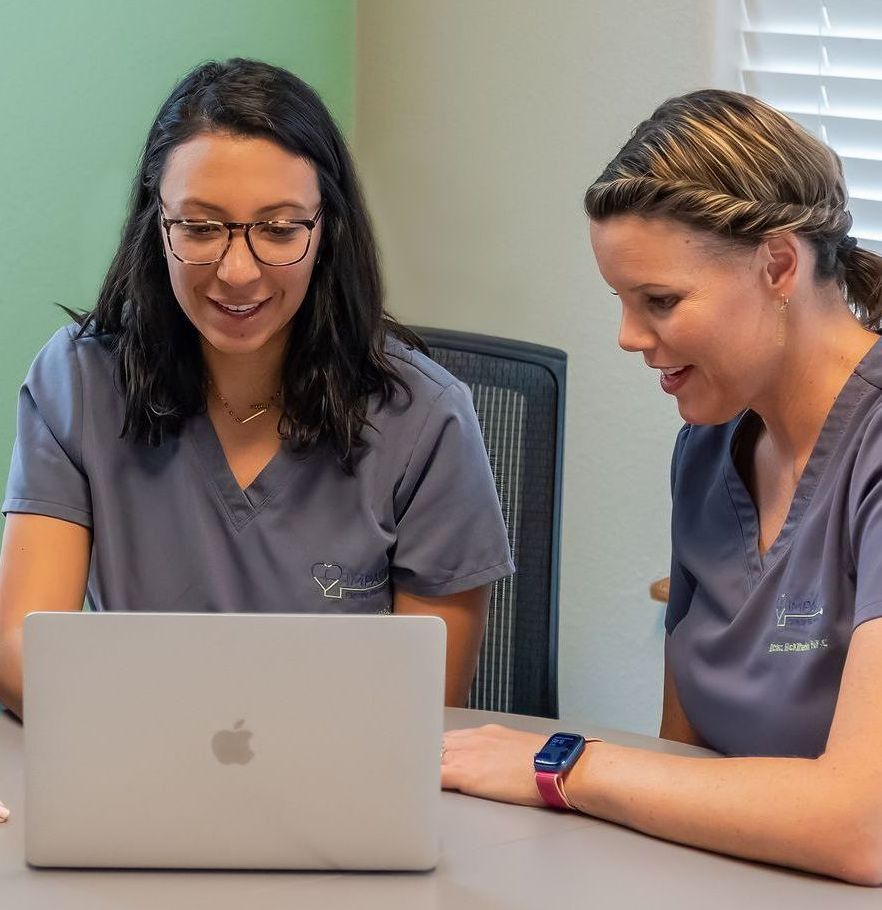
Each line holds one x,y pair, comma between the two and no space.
731,165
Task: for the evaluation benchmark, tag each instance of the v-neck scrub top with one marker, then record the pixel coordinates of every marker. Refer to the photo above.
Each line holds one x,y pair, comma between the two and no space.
757,644
173,531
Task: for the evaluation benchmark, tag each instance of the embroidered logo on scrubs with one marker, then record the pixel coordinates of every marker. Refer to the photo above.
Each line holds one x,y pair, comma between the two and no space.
796,616
337,582
792,612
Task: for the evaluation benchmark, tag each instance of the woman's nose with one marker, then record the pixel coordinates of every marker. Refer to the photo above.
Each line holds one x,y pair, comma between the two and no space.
634,335
239,266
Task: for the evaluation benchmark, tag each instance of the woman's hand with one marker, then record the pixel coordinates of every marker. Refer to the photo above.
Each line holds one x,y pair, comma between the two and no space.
4,813
492,762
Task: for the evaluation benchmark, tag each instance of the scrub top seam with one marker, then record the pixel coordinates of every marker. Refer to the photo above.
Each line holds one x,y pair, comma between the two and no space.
258,507
43,507
237,502
83,412
792,522
845,423
860,613
745,546
428,414
409,361
218,492
801,500
426,589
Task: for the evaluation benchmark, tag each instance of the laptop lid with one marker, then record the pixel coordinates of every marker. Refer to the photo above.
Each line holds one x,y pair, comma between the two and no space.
258,741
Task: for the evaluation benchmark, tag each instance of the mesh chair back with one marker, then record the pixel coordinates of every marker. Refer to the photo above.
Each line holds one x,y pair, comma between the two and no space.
518,391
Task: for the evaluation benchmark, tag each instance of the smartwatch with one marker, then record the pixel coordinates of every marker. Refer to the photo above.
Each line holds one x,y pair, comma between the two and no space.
552,762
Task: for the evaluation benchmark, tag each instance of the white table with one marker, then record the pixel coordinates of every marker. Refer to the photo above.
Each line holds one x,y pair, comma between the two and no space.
493,856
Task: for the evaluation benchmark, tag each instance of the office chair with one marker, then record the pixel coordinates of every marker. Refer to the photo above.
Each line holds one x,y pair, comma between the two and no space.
518,390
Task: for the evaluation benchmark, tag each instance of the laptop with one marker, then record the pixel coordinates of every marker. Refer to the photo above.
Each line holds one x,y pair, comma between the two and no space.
233,741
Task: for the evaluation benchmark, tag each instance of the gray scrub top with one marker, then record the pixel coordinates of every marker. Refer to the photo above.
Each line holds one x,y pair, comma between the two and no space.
173,531
757,644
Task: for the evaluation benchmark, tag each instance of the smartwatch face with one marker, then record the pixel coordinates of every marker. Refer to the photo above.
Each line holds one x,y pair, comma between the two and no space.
559,753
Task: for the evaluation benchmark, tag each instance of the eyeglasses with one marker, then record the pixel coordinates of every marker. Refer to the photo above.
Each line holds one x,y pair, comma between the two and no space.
195,241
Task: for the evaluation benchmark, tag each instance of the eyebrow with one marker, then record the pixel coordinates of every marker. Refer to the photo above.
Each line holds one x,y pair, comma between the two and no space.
211,207
649,284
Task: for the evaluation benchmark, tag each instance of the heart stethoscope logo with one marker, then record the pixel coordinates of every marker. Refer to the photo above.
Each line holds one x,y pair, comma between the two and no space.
327,576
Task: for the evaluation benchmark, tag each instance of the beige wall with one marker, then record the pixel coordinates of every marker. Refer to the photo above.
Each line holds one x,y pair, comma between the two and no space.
478,126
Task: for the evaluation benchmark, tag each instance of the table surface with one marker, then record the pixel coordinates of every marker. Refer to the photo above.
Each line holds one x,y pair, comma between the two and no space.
493,856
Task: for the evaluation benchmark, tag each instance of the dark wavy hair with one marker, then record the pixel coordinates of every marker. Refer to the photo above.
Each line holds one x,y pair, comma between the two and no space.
335,357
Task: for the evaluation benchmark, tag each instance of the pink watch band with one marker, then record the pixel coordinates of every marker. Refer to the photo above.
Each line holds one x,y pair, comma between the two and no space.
550,785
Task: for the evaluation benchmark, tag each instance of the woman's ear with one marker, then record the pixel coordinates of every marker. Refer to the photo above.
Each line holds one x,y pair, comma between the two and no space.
780,261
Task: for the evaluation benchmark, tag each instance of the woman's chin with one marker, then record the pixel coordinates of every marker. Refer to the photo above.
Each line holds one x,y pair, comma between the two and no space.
707,415
243,342
233,347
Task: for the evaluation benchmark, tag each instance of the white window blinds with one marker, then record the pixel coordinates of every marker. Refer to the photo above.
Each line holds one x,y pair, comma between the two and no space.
821,63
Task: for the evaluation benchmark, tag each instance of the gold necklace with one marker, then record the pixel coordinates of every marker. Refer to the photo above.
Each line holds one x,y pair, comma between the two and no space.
259,407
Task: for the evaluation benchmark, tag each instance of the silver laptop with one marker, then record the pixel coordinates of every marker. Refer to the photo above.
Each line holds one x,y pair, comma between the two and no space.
235,741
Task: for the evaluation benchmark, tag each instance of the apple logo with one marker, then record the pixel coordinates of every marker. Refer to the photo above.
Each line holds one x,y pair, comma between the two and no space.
232,747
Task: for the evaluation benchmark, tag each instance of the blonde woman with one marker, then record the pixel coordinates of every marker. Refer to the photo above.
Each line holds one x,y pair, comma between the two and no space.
723,228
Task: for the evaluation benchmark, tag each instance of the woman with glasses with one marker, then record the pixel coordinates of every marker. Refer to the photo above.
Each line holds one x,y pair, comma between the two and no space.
237,425
723,228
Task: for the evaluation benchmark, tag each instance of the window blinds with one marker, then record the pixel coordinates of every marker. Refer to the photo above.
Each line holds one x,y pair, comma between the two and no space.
821,63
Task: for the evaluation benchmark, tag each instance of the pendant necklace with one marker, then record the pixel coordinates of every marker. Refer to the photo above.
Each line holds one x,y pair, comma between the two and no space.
259,407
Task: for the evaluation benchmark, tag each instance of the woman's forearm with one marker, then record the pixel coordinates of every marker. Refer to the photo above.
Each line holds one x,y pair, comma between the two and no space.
465,616
10,672
756,808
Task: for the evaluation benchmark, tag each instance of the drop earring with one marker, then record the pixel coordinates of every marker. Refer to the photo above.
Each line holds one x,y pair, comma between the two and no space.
781,327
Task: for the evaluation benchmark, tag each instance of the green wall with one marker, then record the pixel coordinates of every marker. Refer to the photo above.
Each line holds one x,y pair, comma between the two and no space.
80,82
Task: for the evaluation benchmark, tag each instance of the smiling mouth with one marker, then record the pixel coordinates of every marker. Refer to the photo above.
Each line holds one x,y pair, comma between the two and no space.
239,309
670,373
673,378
